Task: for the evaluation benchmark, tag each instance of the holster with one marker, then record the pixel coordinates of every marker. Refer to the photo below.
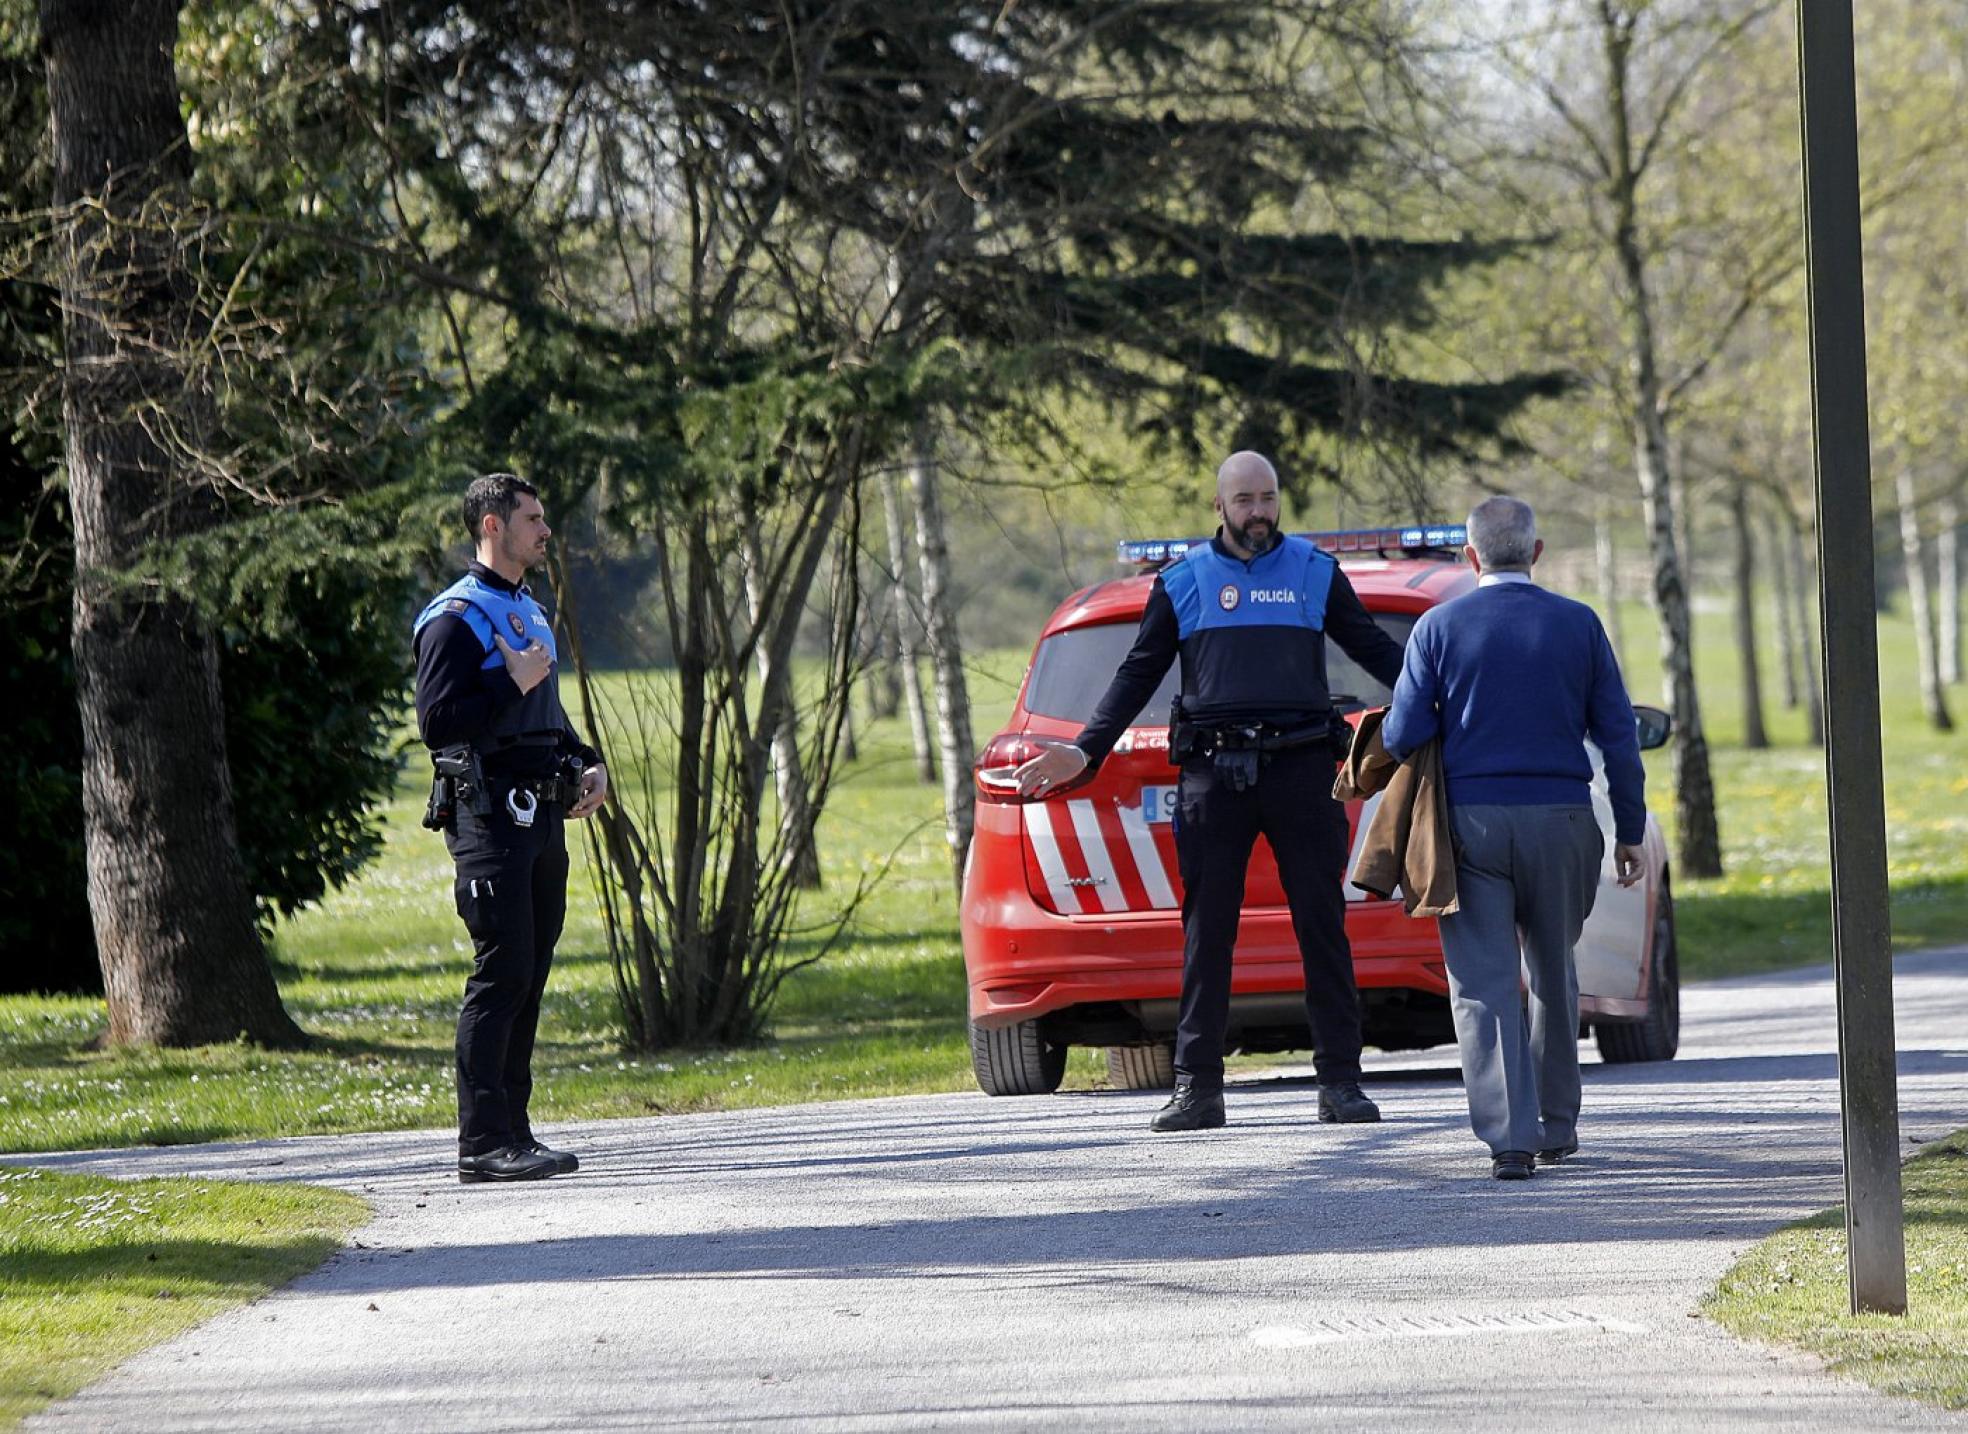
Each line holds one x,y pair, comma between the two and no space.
457,784
1182,734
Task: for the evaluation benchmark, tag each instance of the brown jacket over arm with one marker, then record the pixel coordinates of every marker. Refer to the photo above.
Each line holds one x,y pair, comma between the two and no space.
1408,844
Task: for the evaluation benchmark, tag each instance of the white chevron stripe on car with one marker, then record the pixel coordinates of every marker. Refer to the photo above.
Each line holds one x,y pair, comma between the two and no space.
1052,865
1093,851
1147,858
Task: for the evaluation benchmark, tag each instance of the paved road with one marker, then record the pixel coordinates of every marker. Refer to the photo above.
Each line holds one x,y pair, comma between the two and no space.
959,1262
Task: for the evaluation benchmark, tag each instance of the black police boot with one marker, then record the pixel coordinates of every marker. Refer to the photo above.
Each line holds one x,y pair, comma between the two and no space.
1345,1103
514,1162
564,1163
1190,1108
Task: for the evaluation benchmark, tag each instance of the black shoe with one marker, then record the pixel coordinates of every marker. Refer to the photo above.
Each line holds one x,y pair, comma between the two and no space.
1512,1165
564,1163
1556,1153
1190,1108
1345,1103
515,1162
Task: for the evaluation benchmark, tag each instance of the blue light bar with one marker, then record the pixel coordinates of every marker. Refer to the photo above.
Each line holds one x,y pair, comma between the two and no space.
1430,537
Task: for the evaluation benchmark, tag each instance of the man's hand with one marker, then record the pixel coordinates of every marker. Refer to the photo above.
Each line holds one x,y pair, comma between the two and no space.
529,666
1629,863
594,787
1052,768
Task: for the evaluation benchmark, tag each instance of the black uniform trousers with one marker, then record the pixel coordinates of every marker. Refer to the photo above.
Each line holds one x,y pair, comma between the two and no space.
1292,805
512,894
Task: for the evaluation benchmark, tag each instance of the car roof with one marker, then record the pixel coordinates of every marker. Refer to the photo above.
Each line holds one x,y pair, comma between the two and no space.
1407,585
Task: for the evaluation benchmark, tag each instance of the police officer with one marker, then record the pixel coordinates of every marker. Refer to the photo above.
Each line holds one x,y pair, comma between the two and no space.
509,767
1248,613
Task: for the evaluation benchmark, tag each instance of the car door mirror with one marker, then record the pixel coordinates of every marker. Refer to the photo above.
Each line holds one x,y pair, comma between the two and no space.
1654,725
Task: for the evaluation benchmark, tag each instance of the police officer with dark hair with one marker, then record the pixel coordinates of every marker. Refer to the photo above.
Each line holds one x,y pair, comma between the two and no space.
1248,613
509,767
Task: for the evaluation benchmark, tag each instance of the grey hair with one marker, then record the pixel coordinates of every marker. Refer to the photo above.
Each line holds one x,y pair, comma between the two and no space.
1503,531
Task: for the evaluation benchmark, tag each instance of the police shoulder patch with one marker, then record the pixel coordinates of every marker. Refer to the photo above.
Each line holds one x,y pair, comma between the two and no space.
456,606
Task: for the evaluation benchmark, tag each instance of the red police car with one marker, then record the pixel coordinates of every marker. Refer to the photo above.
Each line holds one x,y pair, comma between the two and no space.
1072,920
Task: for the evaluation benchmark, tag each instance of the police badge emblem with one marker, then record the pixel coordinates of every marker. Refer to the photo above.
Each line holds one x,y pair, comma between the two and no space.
517,624
1228,597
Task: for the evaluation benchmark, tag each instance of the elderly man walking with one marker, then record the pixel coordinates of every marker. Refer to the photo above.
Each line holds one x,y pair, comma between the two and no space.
1513,679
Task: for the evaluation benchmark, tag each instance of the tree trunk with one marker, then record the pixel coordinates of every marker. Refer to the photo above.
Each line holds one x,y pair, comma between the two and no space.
788,778
1787,633
1606,560
907,625
953,738
883,655
1801,588
849,619
1684,536
1933,698
1948,546
1694,790
175,927
1754,736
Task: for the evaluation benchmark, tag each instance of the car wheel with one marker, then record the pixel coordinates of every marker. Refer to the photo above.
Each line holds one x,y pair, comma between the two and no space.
1016,1060
1141,1067
1658,1036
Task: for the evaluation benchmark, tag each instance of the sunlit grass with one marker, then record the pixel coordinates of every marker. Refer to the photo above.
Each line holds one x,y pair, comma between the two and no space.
1792,1289
92,1270
375,972
1772,906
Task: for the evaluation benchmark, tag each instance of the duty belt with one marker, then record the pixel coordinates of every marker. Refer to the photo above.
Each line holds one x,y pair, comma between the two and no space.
1256,737
553,791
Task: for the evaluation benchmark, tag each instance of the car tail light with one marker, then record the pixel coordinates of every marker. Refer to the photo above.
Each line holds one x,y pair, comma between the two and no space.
1000,760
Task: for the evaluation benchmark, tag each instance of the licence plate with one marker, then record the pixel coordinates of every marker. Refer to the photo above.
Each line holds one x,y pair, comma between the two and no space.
1158,803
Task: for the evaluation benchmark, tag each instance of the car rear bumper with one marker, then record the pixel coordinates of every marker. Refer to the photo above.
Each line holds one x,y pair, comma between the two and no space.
1023,963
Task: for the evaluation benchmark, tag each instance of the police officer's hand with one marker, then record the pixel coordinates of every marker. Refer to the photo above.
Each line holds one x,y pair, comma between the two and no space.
1052,768
1629,864
594,787
529,665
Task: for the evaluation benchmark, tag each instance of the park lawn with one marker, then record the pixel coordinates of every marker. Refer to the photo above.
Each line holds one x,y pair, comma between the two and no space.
1791,1289
375,971
93,1270
1771,909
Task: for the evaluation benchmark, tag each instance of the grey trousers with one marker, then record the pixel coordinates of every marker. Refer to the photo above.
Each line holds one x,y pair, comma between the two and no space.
1524,874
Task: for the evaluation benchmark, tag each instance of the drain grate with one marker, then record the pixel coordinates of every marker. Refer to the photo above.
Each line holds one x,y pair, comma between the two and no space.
1425,1326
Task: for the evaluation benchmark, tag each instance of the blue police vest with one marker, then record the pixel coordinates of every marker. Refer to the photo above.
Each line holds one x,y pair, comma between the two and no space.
1285,587
519,619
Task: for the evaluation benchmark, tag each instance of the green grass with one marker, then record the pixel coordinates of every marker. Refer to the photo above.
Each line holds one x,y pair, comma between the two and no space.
375,972
1772,906
93,1270
1791,1289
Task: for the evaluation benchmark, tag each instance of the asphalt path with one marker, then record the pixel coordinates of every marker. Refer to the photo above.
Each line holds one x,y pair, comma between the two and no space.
944,1262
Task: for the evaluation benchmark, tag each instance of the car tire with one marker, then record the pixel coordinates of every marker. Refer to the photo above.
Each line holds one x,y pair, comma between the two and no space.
1658,1036
1142,1067
1016,1060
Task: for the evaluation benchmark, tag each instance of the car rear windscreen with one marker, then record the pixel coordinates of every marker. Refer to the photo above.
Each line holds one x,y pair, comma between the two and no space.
1071,671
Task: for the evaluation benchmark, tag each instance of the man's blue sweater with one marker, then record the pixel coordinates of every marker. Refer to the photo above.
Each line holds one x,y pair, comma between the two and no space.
1513,679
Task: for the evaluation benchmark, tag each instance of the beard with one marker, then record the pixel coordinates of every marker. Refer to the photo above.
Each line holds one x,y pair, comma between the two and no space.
1256,536
526,556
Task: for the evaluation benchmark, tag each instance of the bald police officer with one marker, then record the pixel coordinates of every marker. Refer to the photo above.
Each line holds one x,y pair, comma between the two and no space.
1248,614
509,767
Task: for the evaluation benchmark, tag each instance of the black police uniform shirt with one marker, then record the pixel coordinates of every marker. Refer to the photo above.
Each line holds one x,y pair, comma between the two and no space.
465,695
1251,636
